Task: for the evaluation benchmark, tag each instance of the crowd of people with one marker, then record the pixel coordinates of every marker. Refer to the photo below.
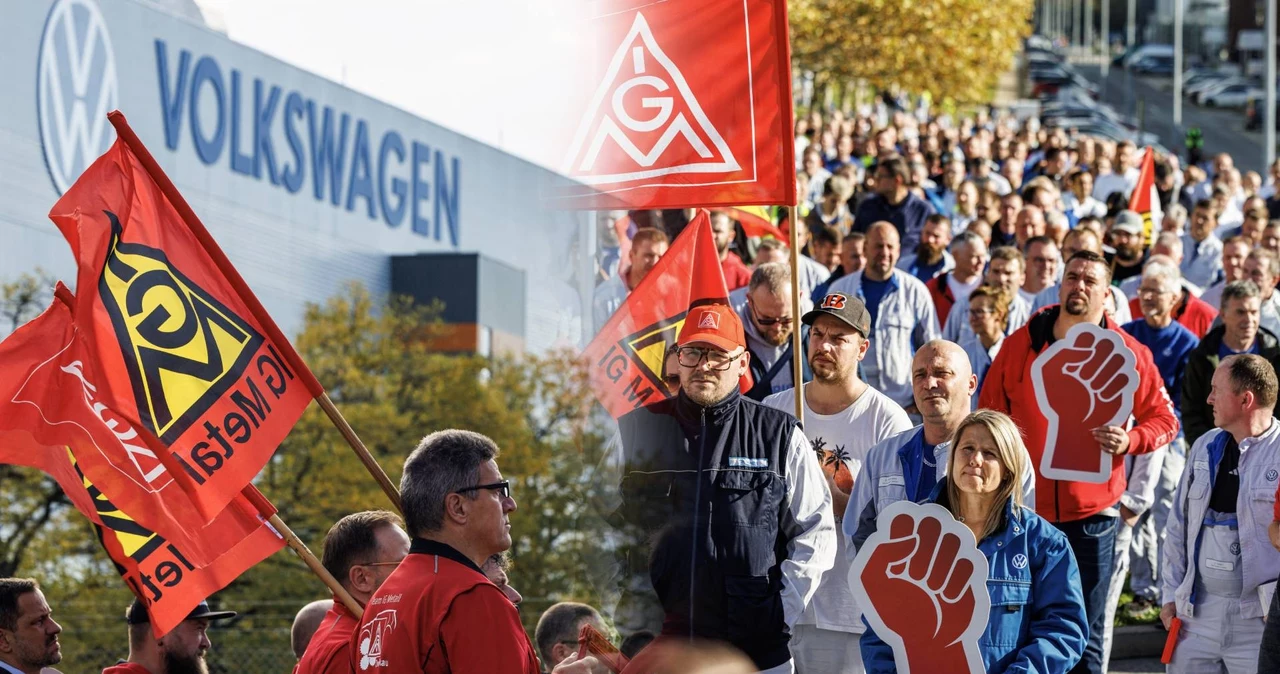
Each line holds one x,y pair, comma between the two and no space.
939,259
952,254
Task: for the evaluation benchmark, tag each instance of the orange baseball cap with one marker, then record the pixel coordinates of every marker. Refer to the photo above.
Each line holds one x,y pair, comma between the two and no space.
714,324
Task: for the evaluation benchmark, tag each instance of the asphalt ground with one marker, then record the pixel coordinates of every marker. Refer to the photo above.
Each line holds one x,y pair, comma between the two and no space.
1151,100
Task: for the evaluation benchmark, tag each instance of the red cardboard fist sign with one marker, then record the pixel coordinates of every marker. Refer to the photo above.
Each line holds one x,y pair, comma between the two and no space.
1084,381
922,583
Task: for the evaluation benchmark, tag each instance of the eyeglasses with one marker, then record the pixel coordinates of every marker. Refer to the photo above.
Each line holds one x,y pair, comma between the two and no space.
717,360
503,488
785,320
381,564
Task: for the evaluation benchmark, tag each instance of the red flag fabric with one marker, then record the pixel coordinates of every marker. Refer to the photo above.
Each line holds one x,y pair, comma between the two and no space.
178,348
1140,201
626,359
166,563
691,107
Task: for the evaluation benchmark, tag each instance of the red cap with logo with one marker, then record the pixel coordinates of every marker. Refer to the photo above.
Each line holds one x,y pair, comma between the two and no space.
714,324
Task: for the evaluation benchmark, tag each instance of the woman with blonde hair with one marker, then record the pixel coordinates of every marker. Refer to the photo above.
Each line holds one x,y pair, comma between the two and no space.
1037,620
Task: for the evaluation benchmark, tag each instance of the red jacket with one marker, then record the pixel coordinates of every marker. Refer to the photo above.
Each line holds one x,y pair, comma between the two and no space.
943,298
330,649
1008,388
126,668
438,614
1193,313
736,272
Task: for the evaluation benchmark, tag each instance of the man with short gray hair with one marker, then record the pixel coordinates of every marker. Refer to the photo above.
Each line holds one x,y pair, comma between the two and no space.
1239,330
558,628
456,506
969,256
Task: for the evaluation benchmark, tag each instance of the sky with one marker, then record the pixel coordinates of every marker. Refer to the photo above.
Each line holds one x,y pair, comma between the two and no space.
500,71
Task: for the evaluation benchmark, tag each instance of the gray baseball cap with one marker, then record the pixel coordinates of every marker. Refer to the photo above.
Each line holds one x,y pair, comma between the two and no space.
1127,221
845,307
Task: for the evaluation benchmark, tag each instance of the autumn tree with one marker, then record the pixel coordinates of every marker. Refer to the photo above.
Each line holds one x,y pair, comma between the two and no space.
374,356
953,49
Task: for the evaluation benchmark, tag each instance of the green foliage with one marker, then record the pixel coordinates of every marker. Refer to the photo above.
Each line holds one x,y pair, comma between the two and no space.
374,358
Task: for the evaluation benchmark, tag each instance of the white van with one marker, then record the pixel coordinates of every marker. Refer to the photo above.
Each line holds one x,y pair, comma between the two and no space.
1148,50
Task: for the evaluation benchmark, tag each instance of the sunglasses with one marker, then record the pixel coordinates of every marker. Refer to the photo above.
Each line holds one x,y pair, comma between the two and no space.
503,488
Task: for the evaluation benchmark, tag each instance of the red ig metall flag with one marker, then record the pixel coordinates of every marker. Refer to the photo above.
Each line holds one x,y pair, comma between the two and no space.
690,106
178,350
1141,200
50,421
627,358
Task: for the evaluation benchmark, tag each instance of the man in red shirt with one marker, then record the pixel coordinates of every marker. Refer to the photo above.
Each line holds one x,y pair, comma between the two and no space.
181,650
360,550
438,613
1085,511
736,273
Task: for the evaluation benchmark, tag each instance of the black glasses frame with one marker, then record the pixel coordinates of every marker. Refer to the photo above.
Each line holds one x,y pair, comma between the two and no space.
503,488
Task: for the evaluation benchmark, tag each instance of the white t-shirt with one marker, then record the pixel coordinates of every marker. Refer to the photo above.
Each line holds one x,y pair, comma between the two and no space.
871,418
961,291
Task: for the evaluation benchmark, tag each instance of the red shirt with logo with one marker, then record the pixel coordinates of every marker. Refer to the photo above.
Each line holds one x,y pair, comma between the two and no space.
438,614
126,668
330,649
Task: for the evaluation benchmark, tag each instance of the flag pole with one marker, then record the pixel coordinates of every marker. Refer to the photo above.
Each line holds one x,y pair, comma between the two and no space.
287,351
797,352
264,508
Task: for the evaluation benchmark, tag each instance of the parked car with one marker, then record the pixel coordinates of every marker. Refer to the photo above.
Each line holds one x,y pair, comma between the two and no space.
1231,96
1199,92
1157,64
1129,58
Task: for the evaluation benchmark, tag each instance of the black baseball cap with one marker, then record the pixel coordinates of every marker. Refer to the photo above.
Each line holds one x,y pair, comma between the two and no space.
137,613
847,308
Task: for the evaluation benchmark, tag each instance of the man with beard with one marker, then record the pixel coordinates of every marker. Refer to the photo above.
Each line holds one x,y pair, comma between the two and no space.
843,418
1084,511
28,633
181,651
768,318
907,466
729,499
736,273
1078,239
930,257
902,314
1126,236
647,247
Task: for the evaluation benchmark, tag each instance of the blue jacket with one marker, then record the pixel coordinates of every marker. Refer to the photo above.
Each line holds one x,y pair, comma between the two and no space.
1037,623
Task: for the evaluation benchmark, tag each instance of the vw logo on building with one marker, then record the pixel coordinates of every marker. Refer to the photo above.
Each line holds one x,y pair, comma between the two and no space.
75,89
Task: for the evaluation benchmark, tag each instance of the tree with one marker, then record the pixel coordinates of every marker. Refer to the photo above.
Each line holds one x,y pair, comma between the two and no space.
953,49
375,359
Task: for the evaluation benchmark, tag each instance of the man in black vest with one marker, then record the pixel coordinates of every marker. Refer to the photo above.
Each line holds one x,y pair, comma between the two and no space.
729,498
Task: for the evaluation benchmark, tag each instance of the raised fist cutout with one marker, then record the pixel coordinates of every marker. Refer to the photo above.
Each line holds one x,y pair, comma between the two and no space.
923,584
1083,382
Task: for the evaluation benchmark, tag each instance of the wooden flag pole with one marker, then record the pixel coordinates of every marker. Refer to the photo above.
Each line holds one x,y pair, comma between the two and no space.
265,509
224,265
308,558
797,348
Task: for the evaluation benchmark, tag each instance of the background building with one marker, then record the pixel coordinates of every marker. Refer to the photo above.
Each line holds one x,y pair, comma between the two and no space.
306,184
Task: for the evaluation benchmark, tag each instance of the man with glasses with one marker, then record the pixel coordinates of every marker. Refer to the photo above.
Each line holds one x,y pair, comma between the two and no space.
1043,260
438,612
360,550
726,500
768,319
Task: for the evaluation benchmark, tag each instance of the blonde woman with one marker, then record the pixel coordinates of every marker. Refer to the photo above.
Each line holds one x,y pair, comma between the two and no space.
1037,620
